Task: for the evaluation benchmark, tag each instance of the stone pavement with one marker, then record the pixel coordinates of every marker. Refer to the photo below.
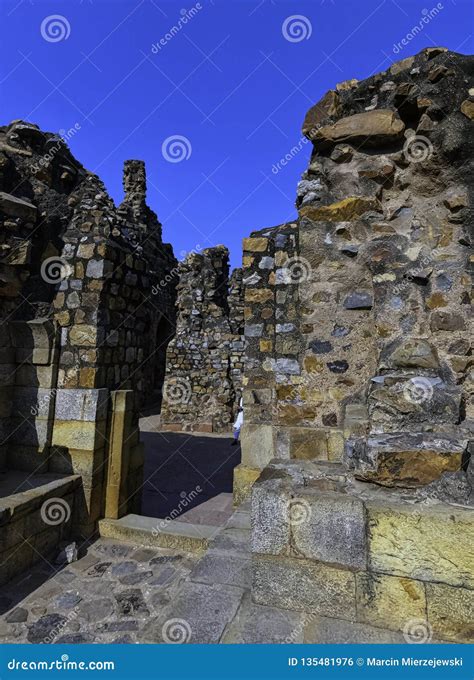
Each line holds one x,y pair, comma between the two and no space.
123,593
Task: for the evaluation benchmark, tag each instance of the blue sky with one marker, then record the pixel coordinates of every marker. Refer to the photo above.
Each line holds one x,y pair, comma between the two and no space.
233,84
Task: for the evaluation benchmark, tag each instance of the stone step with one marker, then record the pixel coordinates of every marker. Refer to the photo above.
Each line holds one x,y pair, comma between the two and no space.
154,532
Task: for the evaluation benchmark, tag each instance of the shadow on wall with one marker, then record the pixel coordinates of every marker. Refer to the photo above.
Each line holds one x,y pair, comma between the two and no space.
183,471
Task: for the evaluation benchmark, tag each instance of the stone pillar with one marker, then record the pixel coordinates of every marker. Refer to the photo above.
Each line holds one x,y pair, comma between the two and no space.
79,445
35,344
125,457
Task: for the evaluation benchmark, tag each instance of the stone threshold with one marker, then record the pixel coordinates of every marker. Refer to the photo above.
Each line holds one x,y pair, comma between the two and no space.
155,532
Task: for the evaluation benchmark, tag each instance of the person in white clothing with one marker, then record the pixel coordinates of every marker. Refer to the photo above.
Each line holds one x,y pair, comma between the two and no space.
238,423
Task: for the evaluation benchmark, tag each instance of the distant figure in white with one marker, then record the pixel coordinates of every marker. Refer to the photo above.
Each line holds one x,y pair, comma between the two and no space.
238,423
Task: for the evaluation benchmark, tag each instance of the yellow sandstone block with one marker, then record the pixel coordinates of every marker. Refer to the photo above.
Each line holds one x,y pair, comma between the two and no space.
451,612
389,601
255,245
426,543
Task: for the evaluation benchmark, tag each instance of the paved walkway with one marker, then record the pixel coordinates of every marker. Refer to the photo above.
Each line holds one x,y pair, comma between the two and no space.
122,593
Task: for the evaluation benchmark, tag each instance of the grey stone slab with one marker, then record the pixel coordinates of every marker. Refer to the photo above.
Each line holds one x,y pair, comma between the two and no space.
199,614
135,578
85,404
239,520
131,603
143,555
232,540
123,568
325,630
303,585
333,531
217,567
47,628
257,624
96,609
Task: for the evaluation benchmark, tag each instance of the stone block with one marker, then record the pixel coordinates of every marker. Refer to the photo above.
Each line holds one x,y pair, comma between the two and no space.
79,435
451,612
426,543
270,515
333,531
325,630
219,567
30,432
304,585
244,478
37,402
81,404
204,609
405,459
85,335
348,209
308,444
37,334
88,464
257,624
389,601
257,445
255,244
42,376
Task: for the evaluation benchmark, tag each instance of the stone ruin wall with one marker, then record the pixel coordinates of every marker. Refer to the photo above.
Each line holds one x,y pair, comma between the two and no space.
358,382
86,291
204,362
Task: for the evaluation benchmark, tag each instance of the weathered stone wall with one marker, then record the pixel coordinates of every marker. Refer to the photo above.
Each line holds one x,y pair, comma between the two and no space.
87,305
204,359
371,381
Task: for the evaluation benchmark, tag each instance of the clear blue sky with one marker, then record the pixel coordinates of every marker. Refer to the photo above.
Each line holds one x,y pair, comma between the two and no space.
228,81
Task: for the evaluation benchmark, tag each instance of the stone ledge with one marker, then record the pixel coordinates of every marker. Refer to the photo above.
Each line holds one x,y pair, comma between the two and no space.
147,531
